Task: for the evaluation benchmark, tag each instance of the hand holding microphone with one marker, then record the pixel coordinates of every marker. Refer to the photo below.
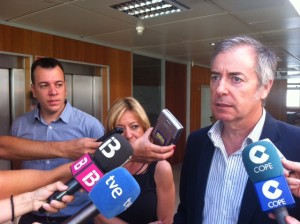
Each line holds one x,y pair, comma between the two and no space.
264,168
293,175
112,153
111,195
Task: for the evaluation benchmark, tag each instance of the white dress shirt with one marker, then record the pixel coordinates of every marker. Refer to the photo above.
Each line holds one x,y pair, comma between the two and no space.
227,178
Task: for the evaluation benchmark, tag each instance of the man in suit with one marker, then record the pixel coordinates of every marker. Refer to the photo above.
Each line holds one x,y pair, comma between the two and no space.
214,185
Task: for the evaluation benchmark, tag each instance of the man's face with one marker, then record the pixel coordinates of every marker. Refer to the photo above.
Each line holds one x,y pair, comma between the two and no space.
50,90
236,94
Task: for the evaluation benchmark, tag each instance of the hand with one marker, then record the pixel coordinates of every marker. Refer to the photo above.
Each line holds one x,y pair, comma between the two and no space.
292,176
41,195
146,151
288,219
291,220
78,147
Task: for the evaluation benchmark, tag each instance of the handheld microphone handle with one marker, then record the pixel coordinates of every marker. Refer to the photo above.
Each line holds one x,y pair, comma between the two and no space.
73,187
280,214
83,215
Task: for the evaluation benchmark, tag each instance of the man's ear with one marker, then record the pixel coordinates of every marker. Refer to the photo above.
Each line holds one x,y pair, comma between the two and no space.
266,89
33,90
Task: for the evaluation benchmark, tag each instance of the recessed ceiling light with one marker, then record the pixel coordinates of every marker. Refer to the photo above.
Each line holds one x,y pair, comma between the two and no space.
296,5
144,9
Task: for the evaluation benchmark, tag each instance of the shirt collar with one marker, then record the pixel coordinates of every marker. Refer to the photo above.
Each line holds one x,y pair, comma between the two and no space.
64,116
215,132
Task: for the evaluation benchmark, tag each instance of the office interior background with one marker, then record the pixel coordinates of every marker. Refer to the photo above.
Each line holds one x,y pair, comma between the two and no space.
163,61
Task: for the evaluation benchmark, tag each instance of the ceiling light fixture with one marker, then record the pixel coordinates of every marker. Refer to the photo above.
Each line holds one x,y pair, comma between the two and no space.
140,30
296,5
145,9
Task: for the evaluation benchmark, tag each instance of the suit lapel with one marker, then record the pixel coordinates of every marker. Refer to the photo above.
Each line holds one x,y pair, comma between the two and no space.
270,129
202,177
249,204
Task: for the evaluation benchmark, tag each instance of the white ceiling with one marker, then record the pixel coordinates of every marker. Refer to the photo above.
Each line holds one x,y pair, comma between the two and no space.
180,37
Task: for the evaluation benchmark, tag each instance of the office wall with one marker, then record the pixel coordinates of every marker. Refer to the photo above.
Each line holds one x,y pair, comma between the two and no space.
199,76
176,101
119,62
32,43
276,101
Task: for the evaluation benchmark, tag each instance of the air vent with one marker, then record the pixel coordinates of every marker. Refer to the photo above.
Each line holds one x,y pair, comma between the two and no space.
145,9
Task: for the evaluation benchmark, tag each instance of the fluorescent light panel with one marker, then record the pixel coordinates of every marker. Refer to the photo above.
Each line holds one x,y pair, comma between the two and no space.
296,5
144,9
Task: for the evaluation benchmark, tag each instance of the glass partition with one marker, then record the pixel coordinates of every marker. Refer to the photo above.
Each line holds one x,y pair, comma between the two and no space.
147,84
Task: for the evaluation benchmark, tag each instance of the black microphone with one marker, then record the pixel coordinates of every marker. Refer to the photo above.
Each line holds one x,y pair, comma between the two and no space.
112,195
87,171
265,169
116,130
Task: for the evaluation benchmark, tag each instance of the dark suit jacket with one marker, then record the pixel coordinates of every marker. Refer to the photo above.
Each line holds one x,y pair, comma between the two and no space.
196,165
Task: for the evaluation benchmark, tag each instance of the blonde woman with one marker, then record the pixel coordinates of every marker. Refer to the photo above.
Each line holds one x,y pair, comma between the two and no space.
156,202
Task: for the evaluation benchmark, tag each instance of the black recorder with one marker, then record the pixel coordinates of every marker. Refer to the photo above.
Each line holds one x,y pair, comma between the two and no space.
167,129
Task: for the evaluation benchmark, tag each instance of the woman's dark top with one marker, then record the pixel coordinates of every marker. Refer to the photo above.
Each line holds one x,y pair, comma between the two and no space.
143,210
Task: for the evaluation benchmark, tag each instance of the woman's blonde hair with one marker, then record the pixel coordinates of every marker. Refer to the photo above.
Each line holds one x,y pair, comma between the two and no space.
120,106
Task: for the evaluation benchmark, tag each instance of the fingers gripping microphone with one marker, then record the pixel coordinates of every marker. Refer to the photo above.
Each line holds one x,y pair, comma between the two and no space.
87,171
264,168
85,174
112,195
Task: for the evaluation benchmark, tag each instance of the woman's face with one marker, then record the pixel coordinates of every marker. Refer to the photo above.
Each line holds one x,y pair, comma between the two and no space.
132,126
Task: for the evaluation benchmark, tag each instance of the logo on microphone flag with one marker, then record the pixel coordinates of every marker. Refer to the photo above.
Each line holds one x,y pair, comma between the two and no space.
274,193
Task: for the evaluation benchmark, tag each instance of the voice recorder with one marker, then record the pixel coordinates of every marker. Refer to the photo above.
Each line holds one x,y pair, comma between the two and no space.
167,129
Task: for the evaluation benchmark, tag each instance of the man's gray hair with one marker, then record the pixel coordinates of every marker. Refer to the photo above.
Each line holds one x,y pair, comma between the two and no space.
266,61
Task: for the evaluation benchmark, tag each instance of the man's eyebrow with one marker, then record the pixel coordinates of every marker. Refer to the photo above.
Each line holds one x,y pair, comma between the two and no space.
215,73
236,73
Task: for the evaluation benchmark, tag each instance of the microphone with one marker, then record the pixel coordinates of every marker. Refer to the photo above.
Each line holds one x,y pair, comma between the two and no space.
264,167
116,130
112,153
111,195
